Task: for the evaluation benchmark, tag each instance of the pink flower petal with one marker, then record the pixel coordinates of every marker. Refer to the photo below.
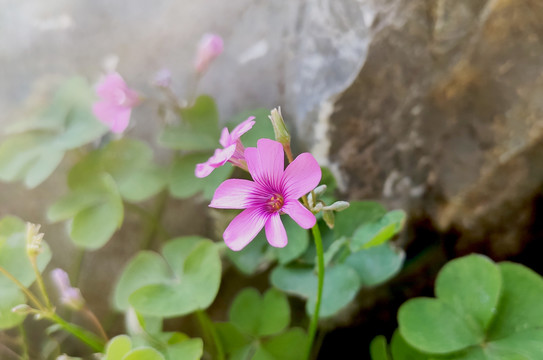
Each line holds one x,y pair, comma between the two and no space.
299,213
218,159
202,170
275,231
234,194
266,162
105,112
115,117
221,156
108,88
121,120
244,228
301,176
242,128
209,47
225,138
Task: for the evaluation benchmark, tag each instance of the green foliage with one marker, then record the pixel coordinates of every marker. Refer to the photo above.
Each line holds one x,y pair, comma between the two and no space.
357,255
122,169
260,316
379,348
261,129
96,209
258,328
482,310
259,254
14,259
122,347
376,233
184,184
186,279
341,283
199,130
35,146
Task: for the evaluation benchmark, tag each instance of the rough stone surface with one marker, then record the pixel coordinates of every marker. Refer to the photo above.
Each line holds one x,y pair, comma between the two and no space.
447,115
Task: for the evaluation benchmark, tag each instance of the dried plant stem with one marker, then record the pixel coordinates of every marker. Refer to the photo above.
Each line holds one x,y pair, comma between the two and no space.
90,315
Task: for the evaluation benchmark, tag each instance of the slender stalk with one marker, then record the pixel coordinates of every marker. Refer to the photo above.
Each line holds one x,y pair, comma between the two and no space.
88,338
24,342
39,280
209,329
90,315
320,273
78,264
23,288
154,219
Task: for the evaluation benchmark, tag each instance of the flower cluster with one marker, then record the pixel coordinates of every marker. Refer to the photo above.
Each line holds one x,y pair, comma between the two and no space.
117,99
274,191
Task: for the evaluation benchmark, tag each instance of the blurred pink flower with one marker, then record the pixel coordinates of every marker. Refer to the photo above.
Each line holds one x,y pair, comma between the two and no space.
163,78
232,150
209,47
69,295
274,191
116,102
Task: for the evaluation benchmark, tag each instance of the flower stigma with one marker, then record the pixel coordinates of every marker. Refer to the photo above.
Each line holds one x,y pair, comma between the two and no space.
275,203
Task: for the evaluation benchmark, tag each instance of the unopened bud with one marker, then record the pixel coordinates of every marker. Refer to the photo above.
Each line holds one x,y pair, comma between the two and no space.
337,206
163,78
22,309
279,128
209,48
329,218
317,207
319,190
69,296
33,239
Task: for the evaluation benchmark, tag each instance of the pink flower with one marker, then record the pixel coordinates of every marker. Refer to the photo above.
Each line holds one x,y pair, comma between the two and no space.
116,102
69,295
232,150
274,191
209,47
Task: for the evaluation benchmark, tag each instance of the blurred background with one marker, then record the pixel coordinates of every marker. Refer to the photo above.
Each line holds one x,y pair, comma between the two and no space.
433,106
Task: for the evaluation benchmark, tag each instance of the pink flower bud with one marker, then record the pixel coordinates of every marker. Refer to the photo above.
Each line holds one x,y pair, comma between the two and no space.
163,78
69,295
209,48
116,102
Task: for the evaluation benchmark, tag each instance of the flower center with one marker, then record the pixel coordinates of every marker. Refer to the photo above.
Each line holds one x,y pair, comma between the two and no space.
275,203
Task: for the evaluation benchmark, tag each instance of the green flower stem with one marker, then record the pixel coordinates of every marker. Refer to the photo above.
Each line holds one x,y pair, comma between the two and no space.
153,226
88,338
39,280
24,342
320,273
23,288
77,264
210,331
